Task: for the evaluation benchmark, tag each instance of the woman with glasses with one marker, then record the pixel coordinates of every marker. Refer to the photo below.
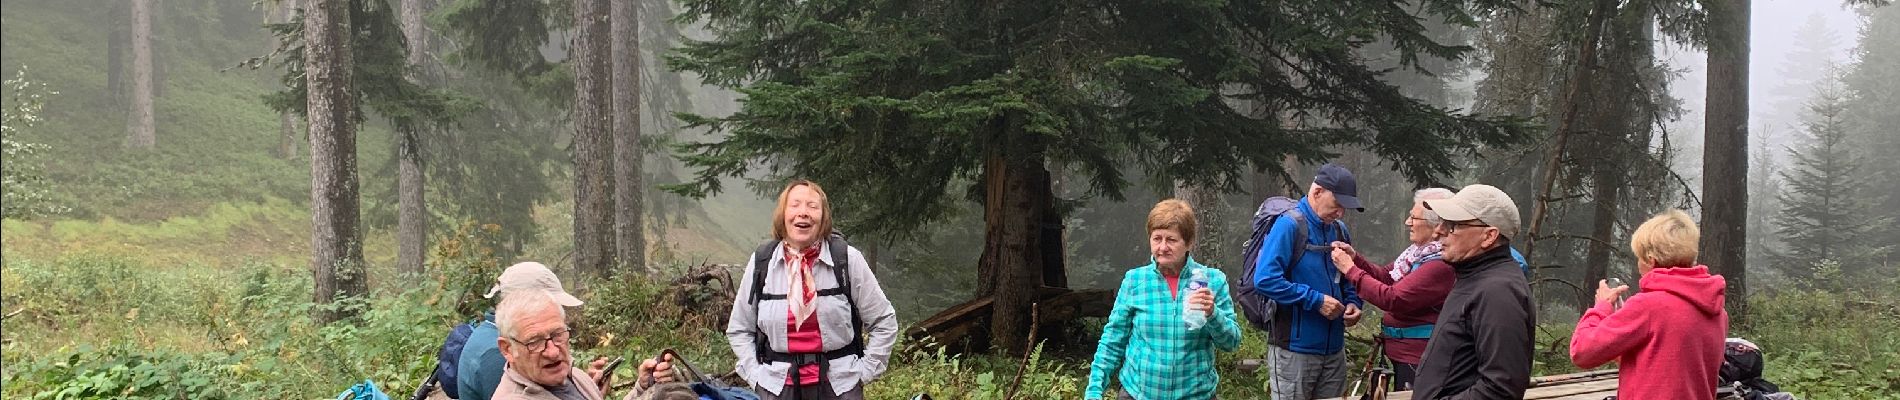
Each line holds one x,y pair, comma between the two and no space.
1411,289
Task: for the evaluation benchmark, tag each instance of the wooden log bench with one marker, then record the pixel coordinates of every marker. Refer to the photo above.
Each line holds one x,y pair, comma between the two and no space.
1587,385
968,323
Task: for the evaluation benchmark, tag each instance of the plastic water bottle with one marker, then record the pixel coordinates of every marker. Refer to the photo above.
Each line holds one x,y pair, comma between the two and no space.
1613,283
1194,318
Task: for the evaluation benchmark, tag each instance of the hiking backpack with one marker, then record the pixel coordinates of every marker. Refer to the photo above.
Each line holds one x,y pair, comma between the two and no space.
1254,305
841,263
450,355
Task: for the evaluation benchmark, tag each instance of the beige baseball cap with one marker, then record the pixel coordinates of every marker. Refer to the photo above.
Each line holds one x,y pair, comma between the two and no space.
1484,203
532,276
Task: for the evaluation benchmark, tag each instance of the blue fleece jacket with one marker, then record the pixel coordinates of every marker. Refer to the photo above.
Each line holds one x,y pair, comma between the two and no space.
1301,289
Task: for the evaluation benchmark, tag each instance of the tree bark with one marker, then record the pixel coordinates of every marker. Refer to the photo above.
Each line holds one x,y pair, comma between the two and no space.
287,121
336,245
1621,135
1017,203
287,137
412,225
1604,195
140,121
116,39
1574,100
1206,203
629,215
1725,152
593,148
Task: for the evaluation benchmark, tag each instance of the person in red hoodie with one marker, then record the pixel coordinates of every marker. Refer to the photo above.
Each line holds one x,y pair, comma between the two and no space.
1411,290
1666,339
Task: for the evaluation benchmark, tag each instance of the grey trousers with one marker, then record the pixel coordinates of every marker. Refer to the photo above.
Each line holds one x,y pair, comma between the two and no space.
820,391
1299,376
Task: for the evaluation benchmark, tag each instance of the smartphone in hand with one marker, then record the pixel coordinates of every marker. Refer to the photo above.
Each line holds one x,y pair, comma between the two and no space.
1614,282
609,372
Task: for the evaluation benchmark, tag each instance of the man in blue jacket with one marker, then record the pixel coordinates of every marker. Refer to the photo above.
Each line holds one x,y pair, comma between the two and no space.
1314,306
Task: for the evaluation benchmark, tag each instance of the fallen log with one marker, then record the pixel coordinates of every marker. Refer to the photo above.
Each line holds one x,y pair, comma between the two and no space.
965,326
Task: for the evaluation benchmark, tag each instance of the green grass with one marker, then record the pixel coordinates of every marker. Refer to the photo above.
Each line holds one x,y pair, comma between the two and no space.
92,319
215,136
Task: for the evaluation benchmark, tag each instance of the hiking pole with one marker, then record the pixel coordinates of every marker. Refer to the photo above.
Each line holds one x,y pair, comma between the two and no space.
422,391
682,361
1369,373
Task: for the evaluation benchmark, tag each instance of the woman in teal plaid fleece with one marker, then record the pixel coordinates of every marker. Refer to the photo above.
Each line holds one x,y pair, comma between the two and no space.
1158,357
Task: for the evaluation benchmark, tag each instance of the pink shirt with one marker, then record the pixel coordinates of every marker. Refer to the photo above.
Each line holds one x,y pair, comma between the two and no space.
1667,340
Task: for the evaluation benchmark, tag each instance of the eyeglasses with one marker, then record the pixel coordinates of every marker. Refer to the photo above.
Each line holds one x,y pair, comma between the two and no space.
540,344
1451,227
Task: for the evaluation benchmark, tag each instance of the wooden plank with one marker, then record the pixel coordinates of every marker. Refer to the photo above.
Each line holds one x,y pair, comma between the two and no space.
1548,380
1595,390
1591,385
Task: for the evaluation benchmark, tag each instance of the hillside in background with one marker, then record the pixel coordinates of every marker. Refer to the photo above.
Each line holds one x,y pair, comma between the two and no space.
213,190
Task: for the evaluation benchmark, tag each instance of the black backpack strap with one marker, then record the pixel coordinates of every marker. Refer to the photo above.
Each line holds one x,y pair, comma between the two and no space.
762,262
1299,239
841,264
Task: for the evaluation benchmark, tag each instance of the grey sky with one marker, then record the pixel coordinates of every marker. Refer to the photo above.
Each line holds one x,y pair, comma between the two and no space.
1773,107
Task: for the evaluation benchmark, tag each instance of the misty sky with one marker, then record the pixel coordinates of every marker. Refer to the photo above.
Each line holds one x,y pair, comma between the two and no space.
1773,38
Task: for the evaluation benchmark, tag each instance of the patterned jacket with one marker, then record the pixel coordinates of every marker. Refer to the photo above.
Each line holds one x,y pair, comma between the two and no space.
1157,356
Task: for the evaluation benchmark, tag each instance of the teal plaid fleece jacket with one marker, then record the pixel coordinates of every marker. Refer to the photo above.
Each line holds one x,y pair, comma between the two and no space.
1146,340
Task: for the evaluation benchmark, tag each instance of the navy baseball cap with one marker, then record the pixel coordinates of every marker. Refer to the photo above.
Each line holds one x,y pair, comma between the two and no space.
1338,180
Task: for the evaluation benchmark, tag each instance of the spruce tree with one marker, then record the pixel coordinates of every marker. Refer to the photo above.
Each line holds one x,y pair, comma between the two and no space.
1825,215
894,104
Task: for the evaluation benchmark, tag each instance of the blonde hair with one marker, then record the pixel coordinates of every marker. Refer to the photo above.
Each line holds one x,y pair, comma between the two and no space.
785,197
1669,239
1173,214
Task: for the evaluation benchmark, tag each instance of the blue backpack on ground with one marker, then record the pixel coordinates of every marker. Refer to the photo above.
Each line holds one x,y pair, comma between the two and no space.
707,387
363,391
1254,305
450,355
708,391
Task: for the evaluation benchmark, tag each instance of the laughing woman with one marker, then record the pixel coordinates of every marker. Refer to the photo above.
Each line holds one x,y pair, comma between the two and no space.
805,305
1149,343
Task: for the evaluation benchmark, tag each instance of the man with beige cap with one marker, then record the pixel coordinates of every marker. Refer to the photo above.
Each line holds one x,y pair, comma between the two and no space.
1481,346
483,363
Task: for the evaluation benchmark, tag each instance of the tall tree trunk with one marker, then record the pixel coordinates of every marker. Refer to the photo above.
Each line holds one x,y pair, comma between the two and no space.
336,245
629,215
1017,202
1574,100
412,225
140,122
1725,152
287,135
286,120
1620,134
117,36
1604,195
1207,210
593,148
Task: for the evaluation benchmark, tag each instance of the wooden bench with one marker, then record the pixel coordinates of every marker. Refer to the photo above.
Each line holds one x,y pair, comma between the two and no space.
1587,385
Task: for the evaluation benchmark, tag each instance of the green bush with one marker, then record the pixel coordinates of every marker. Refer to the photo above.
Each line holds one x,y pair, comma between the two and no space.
1829,344
120,372
199,333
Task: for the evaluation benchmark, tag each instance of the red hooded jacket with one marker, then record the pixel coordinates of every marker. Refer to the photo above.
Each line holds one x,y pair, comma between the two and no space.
1667,339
